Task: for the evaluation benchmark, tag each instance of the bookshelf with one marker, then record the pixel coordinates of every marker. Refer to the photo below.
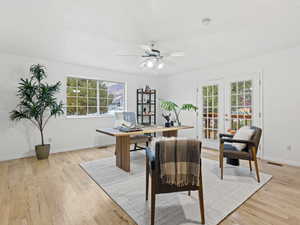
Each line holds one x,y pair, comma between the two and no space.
146,106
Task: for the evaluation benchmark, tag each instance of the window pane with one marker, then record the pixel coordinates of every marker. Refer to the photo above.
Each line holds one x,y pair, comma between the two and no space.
82,111
240,100
92,93
82,83
233,100
204,91
71,111
216,101
215,90
71,82
71,101
71,91
248,100
248,86
103,110
233,88
103,93
82,102
92,110
92,102
92,84
103,102
240,87
209,90
82,92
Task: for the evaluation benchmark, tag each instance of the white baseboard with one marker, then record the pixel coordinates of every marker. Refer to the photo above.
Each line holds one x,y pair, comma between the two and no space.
11,156
282,161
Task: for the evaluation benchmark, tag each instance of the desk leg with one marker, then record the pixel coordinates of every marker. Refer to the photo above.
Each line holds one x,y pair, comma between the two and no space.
171,133
123,152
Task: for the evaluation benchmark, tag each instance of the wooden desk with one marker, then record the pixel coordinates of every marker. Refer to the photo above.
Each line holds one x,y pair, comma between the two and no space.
123,141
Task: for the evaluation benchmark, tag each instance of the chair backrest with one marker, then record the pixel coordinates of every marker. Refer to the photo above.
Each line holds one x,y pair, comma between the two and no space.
256,136
165,188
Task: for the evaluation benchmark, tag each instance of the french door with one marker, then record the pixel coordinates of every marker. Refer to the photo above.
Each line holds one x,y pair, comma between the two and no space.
227,104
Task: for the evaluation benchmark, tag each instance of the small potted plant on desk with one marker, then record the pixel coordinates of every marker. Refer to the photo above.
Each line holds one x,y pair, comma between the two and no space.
37,104
173,107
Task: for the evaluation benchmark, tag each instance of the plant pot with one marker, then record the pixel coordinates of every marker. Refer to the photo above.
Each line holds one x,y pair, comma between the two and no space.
42,151
167,124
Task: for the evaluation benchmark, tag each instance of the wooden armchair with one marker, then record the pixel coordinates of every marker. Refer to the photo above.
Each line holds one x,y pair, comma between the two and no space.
248,153
157,187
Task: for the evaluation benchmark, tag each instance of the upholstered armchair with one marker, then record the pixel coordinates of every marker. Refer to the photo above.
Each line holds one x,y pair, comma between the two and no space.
248,153
158,187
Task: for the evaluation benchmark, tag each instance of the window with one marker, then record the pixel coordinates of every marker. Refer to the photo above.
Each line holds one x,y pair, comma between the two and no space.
241,104
210,112
87,97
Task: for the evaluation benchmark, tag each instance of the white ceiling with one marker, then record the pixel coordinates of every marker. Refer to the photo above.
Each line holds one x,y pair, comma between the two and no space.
92,32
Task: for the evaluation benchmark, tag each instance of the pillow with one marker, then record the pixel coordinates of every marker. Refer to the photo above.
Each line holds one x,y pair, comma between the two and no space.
244,133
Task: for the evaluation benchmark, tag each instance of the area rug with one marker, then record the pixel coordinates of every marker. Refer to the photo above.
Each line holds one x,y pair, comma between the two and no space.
221,197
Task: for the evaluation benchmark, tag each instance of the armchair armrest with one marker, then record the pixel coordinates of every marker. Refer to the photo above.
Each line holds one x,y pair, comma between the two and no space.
226,135
230,140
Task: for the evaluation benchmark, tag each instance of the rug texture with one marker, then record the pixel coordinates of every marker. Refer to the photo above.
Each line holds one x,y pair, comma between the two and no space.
221,197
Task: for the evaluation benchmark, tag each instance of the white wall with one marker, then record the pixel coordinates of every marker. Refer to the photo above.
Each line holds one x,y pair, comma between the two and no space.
18,139
281,103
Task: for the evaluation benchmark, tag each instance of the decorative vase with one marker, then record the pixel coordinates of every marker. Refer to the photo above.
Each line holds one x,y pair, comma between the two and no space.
42,151
167,124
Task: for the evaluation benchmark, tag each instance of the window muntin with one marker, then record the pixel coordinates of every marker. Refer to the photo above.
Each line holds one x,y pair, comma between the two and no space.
88,97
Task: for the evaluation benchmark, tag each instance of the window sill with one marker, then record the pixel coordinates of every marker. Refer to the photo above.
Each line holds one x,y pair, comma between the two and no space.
90,116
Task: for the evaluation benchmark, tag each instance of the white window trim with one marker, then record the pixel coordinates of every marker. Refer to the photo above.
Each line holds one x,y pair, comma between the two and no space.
106,115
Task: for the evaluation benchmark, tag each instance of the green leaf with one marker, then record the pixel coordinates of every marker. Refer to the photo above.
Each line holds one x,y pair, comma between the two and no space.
168,105
189,107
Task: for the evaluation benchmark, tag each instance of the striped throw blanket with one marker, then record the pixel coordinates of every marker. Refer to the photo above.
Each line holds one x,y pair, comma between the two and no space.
180,161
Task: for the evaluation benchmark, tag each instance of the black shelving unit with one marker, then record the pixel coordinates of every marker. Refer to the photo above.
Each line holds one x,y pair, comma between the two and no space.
146,106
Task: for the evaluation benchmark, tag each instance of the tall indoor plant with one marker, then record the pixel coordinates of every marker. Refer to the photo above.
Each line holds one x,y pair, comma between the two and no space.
173,107
37,103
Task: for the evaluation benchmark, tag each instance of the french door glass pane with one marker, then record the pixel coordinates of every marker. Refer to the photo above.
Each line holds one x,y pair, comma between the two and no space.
241,104
210,112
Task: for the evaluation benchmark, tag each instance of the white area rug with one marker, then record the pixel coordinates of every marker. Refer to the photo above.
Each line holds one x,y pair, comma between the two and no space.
221,197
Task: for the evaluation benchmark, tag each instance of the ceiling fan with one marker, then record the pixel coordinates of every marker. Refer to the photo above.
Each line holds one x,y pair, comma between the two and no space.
152,57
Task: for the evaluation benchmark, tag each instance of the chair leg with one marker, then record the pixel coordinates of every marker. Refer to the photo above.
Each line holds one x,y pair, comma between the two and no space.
135,146
222,160
201,200
147,178
250,165
189,193
255,163
152,201
147,144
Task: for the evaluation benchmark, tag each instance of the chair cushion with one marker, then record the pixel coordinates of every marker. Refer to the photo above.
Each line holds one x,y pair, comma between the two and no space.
244,133
231,152
151,156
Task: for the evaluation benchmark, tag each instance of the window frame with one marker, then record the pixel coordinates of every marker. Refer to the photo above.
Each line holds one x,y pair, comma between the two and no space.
98,115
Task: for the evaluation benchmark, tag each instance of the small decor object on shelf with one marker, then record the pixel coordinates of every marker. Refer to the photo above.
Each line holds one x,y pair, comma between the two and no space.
147,88
37,104
173,107
167,118
146,106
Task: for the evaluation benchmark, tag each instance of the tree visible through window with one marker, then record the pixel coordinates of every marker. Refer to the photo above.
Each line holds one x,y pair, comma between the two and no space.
94,97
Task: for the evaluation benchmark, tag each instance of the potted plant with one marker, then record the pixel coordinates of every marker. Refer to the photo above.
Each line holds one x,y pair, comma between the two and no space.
37,103
173,107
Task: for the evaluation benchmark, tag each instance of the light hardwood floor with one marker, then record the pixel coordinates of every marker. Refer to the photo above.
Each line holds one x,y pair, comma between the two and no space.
58,192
